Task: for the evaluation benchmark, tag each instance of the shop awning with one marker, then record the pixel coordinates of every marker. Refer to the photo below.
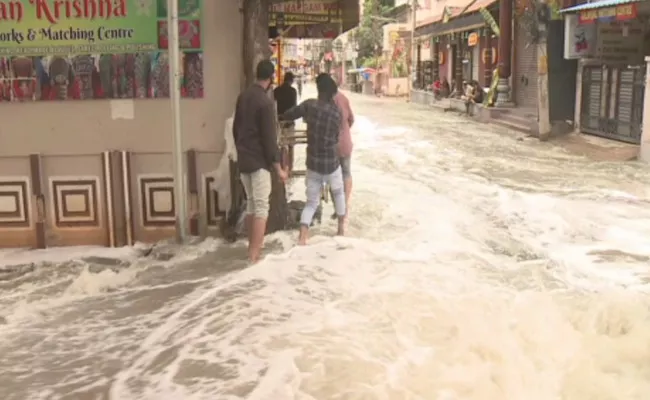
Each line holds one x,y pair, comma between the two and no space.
460,24
598,4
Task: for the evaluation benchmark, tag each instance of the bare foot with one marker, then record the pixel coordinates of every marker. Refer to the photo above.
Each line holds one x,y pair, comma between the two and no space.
341,228
304,232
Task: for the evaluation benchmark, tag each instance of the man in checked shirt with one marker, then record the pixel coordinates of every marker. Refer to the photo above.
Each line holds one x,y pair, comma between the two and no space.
323,119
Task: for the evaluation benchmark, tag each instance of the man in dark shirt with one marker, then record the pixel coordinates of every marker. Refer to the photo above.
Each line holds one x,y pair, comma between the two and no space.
323,119
254,131
285,95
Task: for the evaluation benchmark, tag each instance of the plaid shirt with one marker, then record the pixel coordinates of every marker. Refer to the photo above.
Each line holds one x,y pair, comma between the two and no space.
323,126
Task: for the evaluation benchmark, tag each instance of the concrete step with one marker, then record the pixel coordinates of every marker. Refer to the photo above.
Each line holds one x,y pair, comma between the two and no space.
519,127
515,122
519,119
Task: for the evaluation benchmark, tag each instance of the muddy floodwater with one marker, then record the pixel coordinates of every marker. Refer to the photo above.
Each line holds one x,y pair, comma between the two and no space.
477,267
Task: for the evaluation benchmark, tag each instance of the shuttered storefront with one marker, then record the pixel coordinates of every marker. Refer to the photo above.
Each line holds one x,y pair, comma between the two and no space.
476,60
612,102
525,73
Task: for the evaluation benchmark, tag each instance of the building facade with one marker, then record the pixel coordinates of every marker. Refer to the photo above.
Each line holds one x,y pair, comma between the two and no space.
86,143
610,41
457,45
85,147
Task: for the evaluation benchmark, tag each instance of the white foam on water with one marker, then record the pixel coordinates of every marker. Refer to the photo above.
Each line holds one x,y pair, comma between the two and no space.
344,319
73,280
62,254
450,286
447,307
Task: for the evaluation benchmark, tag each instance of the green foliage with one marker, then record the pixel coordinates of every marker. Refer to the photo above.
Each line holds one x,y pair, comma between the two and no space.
399,70
527,13
369,36
370,62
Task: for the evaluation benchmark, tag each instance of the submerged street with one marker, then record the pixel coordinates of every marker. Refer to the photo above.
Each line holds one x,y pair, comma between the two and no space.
477,267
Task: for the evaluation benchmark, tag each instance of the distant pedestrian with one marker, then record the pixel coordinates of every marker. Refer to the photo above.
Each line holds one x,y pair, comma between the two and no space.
285,95
255,134
300,82
323,119
473,95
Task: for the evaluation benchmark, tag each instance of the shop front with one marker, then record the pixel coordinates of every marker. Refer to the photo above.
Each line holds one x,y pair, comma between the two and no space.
524,71
424,63
86,154
85,157
610,43
463,49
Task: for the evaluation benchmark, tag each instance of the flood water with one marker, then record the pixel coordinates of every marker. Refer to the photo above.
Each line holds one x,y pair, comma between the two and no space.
477,267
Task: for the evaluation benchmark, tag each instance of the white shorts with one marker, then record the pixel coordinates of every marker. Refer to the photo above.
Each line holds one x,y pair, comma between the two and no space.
257,186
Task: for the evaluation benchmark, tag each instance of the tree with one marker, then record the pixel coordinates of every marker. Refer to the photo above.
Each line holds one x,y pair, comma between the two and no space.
369,37
530,15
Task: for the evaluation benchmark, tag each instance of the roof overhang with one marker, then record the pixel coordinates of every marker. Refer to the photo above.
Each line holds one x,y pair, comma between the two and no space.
598,4
460,24
456,19
397,11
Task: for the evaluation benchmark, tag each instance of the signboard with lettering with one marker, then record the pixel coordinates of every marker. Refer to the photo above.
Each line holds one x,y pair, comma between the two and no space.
620,44
306,12
95,49
472,39
46,27
579,40
623,12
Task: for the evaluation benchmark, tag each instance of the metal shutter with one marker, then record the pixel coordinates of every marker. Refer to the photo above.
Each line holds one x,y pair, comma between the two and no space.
592,88
525,72
625,102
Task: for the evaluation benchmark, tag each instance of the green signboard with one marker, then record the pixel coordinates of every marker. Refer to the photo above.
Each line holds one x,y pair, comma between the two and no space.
68,27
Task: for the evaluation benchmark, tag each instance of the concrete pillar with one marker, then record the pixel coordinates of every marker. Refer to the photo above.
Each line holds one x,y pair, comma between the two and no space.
435,56
644,150
578,109
458,63
505,52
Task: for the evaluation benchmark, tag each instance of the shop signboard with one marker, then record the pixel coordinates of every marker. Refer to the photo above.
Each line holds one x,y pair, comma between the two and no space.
95,49
41,27
624,12
579,40
620,43
306,12
472,39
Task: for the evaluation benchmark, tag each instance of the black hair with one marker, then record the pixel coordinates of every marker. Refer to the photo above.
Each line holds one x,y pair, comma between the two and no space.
289,77
265,70
326,86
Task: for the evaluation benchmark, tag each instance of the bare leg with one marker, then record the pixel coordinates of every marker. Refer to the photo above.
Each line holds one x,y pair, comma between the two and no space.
347,186
304,234
258,189
249,227
256,239
338,197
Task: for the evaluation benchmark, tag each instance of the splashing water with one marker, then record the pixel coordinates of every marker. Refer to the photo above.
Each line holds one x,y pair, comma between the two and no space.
477,267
